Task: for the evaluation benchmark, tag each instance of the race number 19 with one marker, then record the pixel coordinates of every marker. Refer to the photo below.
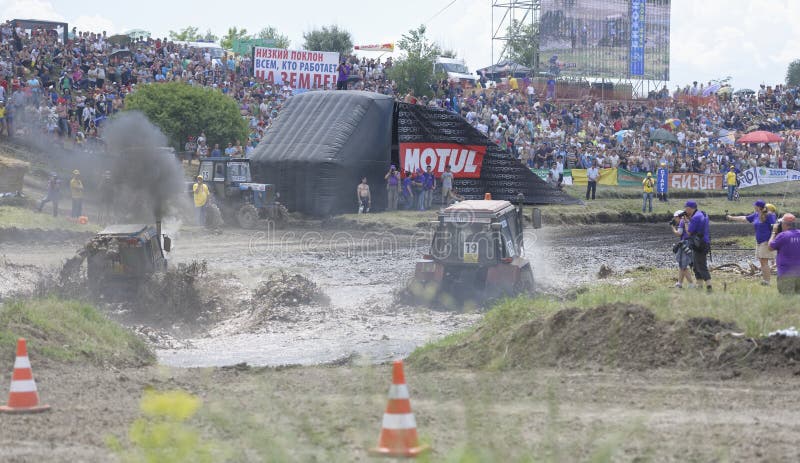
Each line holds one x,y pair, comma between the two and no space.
471,252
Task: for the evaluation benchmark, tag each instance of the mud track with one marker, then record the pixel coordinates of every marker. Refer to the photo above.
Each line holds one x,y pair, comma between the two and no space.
359,271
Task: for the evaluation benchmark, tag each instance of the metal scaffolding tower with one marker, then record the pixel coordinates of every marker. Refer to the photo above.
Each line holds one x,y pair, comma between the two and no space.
504,14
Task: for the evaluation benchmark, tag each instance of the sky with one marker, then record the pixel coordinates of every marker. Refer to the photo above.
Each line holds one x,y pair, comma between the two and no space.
752,41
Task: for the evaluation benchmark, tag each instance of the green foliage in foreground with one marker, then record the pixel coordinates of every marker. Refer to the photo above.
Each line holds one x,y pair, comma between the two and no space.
181,110
69,331
162,434
756,309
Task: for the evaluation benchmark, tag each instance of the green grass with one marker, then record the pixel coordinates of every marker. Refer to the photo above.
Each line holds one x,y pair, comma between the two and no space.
755,309
401,219
618,203
28,219
69,331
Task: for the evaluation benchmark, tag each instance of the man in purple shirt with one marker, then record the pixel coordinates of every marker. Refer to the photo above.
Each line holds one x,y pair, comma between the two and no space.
344,73
787,243
698,231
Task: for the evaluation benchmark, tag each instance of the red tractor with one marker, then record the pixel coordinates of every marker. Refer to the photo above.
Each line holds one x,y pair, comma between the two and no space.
477,253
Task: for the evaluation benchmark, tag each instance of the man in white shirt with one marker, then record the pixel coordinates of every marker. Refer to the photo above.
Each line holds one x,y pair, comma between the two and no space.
592,176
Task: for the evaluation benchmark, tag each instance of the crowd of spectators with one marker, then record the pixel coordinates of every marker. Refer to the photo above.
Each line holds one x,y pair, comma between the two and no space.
574,133
67,90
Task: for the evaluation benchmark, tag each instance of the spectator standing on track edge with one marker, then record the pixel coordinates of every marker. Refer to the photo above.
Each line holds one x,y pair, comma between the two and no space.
648,185
592,176
682,250
698,231
785,239
76,190
447,184
200,190
392,188
363,196
763,220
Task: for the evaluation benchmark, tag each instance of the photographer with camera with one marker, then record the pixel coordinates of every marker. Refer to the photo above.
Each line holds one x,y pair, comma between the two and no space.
698,231
785,239
682,250
763,221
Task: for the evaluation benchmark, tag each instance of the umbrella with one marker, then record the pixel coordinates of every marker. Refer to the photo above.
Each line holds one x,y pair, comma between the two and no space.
744,91
726,136
711,89
760,136
672,124
663,135
622,134
119,40
121,53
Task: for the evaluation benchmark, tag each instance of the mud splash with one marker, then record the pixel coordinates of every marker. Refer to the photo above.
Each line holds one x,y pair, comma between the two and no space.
286,289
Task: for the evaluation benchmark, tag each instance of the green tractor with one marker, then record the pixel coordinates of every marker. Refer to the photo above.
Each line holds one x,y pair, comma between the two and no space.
238,198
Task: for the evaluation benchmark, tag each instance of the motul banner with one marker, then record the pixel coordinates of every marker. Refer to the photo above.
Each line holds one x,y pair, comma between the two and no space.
465,161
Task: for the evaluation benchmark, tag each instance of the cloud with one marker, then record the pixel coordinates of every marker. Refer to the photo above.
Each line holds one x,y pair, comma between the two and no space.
94,23
30,9
753,42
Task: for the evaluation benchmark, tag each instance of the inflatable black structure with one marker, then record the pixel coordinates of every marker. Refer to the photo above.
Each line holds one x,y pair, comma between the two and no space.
316,152
323,143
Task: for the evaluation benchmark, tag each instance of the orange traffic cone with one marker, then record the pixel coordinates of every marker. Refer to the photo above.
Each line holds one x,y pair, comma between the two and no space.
399,431
23,397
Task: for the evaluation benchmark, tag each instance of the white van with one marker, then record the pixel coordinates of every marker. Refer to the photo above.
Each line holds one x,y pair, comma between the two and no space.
214,49
456,70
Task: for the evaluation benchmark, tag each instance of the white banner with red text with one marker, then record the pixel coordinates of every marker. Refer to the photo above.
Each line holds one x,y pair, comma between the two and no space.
300,69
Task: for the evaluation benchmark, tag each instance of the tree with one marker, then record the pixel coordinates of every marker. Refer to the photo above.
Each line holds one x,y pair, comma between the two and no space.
447,53
329,39
523,45
233,34
414,71
793,73
209,37
187,34
181,110
270,33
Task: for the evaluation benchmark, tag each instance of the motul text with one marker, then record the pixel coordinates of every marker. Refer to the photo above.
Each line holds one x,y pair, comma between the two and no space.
464,160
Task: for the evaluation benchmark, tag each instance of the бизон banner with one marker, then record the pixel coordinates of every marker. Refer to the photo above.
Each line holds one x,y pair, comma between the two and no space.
691,181
300,69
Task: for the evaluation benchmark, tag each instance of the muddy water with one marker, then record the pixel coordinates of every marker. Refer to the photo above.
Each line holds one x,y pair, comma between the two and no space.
360,271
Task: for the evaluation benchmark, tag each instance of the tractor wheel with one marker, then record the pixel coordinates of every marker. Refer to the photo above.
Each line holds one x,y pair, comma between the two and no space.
278,216
213,217
247,216
525,283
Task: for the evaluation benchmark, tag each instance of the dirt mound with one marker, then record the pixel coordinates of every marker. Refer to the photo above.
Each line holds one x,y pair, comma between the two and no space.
284,289
619,336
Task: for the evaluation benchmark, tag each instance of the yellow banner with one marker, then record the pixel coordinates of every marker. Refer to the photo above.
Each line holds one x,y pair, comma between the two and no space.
607,177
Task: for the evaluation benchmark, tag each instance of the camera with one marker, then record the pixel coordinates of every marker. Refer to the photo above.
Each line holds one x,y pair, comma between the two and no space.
780,225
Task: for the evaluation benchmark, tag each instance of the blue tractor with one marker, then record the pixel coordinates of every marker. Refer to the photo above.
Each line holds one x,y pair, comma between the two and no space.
237,197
